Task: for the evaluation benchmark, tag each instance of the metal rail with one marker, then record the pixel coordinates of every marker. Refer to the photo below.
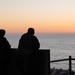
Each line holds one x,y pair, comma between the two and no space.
70,63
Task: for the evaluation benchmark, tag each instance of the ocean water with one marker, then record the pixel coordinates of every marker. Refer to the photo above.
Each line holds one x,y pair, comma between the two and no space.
61,46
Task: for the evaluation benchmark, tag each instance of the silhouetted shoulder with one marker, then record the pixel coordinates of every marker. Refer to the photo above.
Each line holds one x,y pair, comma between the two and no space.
4,43
36,44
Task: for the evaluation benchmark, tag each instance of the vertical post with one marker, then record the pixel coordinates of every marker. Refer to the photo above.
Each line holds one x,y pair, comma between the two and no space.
49,63
70,65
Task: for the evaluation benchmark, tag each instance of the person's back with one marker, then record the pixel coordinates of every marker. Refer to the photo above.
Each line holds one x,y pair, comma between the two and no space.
4,51
4,44
28,42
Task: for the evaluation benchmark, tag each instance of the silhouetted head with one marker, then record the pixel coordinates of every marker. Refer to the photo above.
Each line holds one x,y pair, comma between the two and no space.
31,31
2,32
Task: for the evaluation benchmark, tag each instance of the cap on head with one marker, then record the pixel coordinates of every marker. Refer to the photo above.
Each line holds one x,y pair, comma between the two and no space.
31,30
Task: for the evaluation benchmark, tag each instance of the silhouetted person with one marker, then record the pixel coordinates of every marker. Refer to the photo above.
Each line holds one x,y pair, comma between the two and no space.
4,52
28,44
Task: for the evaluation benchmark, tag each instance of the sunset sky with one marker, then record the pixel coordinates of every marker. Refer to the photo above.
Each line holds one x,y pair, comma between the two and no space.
46,16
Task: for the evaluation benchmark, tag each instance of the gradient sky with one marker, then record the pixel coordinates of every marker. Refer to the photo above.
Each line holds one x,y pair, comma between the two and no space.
43,15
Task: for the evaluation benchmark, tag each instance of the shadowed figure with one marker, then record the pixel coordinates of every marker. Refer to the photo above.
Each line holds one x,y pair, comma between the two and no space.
28,44
4,52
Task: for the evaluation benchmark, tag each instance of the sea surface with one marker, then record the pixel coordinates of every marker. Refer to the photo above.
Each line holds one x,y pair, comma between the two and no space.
61,46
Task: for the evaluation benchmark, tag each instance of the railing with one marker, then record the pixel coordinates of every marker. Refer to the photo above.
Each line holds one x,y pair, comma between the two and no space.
68,59
70,63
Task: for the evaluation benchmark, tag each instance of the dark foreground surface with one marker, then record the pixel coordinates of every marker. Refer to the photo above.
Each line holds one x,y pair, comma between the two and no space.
38,63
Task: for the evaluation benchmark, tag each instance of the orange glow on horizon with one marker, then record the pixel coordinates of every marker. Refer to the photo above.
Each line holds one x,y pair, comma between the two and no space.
40,24
39,28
